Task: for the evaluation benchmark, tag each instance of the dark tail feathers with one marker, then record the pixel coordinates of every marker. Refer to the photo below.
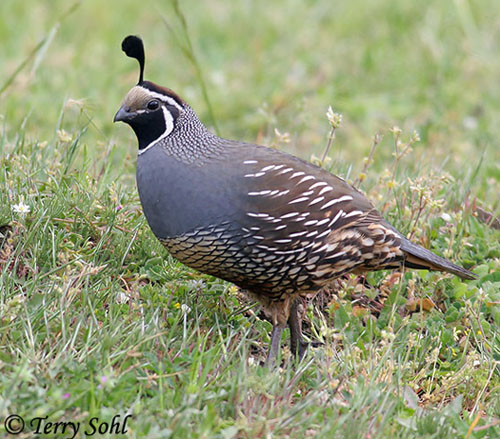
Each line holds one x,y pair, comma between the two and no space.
421,258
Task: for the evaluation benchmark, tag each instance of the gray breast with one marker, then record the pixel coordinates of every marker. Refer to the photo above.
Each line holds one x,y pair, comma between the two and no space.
178,197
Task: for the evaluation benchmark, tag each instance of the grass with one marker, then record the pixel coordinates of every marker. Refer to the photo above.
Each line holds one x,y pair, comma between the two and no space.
97,320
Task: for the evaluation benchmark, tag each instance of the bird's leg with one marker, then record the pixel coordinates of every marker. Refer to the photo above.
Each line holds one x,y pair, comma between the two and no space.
297,345
274,348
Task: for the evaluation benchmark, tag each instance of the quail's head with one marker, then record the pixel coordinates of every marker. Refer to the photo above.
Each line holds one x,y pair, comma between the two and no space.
151,110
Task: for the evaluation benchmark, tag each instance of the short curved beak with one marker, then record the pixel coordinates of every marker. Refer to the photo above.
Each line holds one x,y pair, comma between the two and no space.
122,115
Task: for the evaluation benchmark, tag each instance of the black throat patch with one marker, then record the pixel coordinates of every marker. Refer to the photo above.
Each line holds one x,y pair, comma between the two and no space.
148,127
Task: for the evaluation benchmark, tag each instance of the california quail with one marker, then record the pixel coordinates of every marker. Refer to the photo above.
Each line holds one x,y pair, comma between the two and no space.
275,225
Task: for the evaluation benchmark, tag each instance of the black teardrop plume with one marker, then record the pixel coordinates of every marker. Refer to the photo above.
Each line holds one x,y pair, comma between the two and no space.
133,47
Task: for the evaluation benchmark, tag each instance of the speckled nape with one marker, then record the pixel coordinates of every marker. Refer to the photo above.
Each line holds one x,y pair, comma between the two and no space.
191,142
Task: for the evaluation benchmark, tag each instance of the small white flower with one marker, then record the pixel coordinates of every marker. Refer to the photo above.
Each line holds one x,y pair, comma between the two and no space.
282,137
446,217
196,284
121,298
185,309
21,208
335,119
63,136
396,130
470,123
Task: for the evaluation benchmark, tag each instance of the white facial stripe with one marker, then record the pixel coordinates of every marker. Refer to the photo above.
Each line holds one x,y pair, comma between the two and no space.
161,97
169,126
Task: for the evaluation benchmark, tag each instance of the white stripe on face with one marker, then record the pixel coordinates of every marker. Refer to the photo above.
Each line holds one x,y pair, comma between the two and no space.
169,126
161,97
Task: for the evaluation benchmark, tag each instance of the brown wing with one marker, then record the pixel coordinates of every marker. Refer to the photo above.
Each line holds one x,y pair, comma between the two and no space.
317,222
295,227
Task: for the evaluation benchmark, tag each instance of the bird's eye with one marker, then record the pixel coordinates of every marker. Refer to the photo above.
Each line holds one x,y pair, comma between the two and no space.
153,105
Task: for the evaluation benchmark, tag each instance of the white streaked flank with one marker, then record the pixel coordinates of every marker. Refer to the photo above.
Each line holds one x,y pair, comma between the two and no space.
310,223
336,200
257,215
289,215
334,220
257,174
283,193
354,213
297,234
325,233
306,178
325,190
299,200
253,194
306,194
267,168
318,184
316,200
323,221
